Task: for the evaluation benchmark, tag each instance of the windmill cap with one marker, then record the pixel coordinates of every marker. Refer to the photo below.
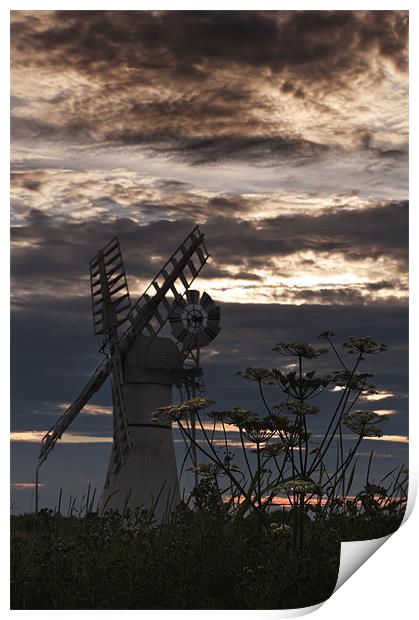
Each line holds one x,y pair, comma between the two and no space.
157,360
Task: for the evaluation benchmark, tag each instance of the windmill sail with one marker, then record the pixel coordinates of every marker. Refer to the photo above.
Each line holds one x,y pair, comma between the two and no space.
111,305
147,317
111,302
153,309
54,434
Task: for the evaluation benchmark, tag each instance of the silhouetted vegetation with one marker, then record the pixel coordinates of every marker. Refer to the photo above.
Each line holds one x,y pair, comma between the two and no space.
228,546
280,456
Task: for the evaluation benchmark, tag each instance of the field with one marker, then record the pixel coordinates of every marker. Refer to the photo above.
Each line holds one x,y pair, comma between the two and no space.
200,559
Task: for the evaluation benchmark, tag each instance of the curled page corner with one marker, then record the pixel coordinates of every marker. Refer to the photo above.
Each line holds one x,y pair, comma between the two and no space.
354,554
411,499
288,613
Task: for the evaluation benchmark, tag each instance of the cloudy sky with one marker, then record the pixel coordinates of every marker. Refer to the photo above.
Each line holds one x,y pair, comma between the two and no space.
283,134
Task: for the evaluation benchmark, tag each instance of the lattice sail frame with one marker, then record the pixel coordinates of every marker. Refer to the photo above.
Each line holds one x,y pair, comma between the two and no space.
111,302
179,272
111,305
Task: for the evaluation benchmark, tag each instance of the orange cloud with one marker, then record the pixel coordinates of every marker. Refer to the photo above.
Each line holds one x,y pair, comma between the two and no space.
393,438
68,438
26,485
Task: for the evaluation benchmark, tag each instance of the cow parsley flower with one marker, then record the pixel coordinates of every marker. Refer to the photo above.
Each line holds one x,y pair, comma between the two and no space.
181,411
261,375
363,423
366,345
298,349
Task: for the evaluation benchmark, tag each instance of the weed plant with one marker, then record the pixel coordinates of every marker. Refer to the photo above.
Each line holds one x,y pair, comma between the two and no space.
289,464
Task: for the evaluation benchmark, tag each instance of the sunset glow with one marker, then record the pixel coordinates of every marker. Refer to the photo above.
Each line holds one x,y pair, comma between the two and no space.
282,134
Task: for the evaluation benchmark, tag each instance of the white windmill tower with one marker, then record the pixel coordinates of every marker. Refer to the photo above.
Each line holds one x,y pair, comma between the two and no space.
142,368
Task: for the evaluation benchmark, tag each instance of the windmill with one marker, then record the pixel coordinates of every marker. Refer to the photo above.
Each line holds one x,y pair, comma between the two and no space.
142,367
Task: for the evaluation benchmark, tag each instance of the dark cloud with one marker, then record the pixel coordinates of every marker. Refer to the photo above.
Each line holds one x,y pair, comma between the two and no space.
210,149
374,232
312,44
32,128
341,294
205,85
49,250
